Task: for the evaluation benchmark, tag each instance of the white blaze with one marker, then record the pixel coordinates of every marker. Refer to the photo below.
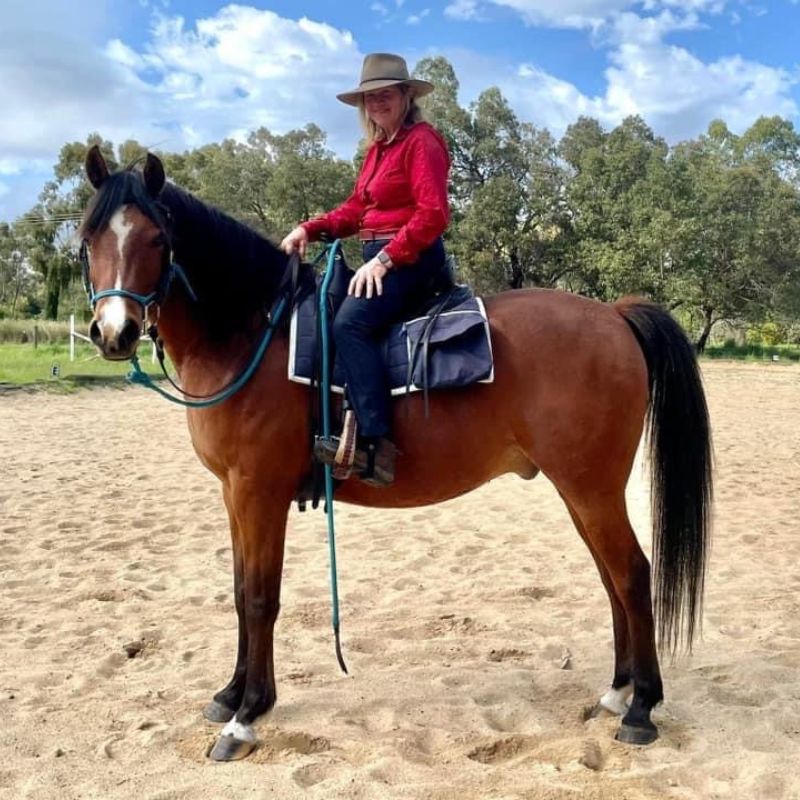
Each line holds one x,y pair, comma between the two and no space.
121,228
113,314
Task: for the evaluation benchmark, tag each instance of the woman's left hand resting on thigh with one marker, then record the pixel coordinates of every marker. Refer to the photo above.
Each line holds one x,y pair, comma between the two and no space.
368,279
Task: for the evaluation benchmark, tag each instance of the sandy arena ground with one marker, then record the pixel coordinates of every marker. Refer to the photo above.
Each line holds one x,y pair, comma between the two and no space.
477,632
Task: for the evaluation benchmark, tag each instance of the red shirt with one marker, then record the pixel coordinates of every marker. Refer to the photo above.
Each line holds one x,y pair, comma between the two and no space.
402,185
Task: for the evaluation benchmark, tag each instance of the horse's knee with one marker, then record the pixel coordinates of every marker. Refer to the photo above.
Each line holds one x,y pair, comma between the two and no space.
265,609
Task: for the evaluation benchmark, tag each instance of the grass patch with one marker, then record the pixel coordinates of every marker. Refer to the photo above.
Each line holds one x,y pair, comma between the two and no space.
24,365
786,353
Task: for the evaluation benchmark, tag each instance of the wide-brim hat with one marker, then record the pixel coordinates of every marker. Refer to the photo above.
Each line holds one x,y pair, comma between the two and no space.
381,70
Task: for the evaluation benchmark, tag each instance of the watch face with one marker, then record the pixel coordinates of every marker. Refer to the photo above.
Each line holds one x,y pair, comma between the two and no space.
384,258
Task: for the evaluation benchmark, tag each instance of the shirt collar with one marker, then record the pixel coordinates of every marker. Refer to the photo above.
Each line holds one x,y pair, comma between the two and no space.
399,136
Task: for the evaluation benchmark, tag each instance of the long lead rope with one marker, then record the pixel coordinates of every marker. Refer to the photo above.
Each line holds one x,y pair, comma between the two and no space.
138,376
333,251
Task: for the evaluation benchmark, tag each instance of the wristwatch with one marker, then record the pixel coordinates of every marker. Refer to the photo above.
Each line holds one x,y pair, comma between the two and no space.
384,258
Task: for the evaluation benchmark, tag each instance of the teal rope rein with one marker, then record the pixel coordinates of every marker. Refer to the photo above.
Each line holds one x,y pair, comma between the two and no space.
139,377
333,251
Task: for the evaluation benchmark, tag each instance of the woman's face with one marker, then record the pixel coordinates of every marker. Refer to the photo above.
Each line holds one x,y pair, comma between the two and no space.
386,107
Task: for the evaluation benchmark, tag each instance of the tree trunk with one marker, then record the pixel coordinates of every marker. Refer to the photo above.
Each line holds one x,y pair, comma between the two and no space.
516,276
708,324
53,298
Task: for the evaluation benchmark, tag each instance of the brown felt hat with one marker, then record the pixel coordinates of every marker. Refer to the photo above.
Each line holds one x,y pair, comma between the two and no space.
380,70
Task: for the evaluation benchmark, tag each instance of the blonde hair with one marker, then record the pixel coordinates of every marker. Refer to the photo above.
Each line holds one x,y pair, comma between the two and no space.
375,133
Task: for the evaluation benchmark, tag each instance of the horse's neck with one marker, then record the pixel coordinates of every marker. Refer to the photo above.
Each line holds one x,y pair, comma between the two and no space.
183,336
197,239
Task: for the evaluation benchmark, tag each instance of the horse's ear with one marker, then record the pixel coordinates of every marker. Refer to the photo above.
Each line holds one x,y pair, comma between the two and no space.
154,175
96,168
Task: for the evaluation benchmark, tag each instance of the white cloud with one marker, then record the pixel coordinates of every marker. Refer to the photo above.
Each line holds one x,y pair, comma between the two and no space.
577,13
379,8
415,19
566,13
241,69
465,10
226,74
10,167
675,92
189,84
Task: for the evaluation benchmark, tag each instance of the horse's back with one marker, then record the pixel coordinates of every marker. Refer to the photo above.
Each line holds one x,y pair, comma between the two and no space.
570,381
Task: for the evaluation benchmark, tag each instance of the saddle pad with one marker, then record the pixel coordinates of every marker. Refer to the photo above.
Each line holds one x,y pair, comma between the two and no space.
458,351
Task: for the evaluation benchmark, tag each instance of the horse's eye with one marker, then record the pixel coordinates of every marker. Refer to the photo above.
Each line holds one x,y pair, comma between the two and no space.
159,240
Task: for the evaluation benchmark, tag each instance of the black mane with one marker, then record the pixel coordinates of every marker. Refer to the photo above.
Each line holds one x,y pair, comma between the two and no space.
233,270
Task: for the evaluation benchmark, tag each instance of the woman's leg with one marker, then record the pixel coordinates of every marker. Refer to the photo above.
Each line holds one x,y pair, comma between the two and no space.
357,331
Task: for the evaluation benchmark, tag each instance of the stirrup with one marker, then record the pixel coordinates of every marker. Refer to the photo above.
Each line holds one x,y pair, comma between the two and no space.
375,465
379,468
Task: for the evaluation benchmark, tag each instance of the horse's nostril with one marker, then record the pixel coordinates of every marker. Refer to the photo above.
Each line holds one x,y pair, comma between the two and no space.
128,336
94,333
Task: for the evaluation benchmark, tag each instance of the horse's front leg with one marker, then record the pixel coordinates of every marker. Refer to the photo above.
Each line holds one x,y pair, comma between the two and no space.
261,523
227,700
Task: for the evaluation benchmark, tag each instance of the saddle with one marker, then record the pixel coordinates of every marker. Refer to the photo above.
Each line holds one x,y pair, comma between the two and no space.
444,342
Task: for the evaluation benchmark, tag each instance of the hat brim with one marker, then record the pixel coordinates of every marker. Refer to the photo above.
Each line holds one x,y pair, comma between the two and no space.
420,89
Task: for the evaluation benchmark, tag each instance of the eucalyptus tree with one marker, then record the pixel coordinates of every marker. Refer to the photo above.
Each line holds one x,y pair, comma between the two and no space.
509,220
738,236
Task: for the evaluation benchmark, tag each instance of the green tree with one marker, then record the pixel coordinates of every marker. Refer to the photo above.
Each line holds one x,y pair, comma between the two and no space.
736,232
615,195
509,223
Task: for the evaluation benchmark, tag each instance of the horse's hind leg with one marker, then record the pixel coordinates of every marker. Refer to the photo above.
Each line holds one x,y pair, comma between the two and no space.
228,699
612,541
616,698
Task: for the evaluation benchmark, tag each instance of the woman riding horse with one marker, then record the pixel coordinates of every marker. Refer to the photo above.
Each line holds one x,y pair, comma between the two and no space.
399,210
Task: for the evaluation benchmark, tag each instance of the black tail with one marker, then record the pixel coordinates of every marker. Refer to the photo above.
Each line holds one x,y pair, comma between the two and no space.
679,437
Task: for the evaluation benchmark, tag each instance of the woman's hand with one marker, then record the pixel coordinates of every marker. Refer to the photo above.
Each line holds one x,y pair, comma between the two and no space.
368,280
297,240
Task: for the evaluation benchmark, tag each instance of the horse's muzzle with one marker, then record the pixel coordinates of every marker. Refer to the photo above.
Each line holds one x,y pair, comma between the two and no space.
115,343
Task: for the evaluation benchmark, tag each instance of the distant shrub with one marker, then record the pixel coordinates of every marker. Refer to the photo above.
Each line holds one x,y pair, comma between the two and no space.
21,331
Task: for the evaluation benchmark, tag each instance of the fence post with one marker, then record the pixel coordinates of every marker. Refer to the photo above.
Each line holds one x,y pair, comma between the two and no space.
35,336
71,337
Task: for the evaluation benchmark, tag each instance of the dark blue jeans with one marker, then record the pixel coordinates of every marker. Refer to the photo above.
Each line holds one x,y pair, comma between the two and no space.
360,325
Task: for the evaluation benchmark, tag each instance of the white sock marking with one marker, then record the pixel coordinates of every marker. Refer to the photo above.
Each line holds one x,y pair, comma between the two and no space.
616,700
244,733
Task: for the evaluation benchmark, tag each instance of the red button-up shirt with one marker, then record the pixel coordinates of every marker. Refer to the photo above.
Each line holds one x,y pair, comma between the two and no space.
402,187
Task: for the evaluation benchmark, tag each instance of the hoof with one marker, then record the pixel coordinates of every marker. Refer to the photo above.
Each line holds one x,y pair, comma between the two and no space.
632,734
217,712
229,748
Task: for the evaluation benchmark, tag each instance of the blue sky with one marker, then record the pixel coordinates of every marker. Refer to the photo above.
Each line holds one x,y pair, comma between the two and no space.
176,74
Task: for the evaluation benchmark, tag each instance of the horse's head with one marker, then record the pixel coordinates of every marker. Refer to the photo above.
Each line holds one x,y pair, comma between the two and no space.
125,252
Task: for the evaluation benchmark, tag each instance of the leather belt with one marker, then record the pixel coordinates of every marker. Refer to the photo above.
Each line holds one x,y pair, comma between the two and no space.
369,235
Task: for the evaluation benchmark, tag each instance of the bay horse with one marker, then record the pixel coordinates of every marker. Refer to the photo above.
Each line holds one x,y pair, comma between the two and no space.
576,383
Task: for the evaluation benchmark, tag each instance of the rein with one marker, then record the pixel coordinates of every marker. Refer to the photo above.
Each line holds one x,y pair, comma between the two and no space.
138,376
287,291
